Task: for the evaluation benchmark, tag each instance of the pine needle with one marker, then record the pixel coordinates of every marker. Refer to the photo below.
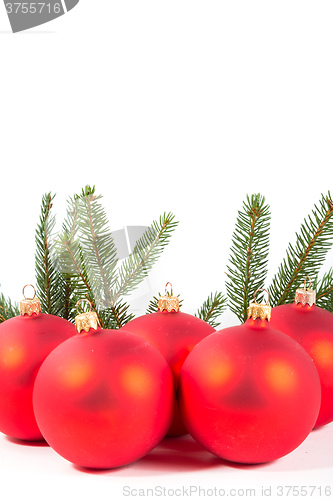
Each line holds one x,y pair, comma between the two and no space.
98,249
153,305
117,316
146,252
70,258
50,283
247,269
324,289
212,308
87,256
305,258
7,308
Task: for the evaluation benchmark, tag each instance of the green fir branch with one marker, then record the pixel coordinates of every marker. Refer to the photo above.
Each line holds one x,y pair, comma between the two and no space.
50,284
87,257
306,257
8,309
43,266
146,252
324,291
212,308
98,249
247,269
71,282
117,316
67,307
70,258
153,305
68,250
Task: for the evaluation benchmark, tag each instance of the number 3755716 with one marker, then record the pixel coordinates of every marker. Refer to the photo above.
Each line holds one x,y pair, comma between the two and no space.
32,8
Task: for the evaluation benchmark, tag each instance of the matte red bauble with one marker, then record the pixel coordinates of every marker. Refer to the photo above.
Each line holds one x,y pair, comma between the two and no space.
174,334
104,398
249,393
25,341
312,327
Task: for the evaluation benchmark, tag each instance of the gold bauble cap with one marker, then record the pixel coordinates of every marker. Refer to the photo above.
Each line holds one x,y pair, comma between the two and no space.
86,320
305,296
30,306
262,311
168,302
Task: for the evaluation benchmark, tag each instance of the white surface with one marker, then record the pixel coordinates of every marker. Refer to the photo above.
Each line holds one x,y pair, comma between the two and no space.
180,106
175,464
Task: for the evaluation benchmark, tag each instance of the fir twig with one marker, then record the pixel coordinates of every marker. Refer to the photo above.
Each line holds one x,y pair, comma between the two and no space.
146,252
212,308
98,248
306,257
324,289
117,316
153,305
67,309
49,281
70,258
87,256
248,258
7,308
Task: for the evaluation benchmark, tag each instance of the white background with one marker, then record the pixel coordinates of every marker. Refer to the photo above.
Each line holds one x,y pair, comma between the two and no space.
166,106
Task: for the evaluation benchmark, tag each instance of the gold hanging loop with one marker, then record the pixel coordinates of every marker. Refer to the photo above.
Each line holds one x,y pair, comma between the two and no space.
83,300
166,286
309,287
34,289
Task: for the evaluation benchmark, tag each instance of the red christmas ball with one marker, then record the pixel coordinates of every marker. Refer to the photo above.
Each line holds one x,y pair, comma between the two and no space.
25,341
248,393
104,398
312,327
174,334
